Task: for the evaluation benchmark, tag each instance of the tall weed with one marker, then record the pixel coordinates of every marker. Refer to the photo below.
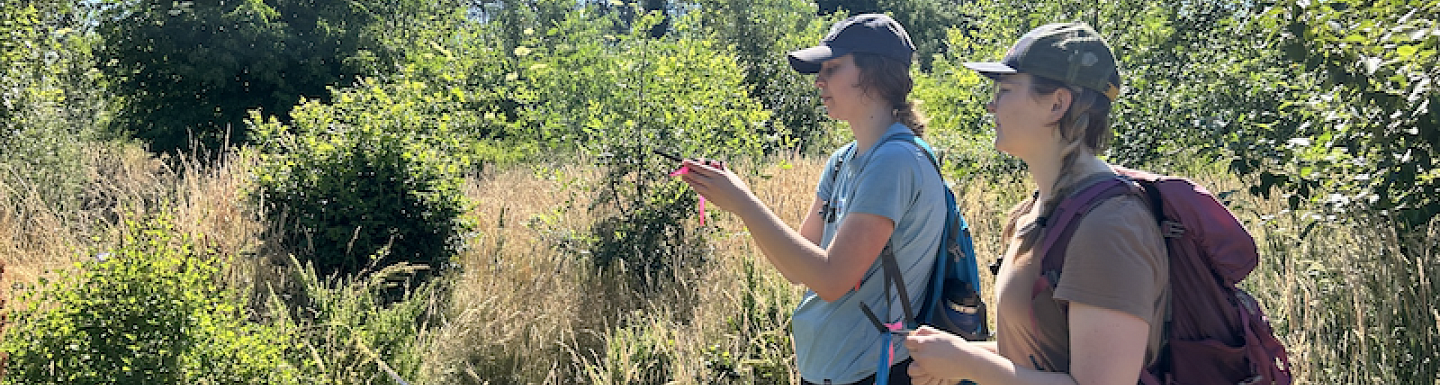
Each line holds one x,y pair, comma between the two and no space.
346,330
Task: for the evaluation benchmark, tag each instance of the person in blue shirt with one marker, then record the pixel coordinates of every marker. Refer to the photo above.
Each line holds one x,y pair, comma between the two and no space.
876,195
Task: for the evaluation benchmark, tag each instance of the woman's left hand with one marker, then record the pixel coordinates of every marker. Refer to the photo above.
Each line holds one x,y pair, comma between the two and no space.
918,376
717,184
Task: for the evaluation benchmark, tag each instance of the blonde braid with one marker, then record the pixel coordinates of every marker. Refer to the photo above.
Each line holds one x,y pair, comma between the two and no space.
1085,125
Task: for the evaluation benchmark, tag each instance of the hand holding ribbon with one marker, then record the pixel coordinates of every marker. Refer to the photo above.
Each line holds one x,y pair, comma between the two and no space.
717,184
686,170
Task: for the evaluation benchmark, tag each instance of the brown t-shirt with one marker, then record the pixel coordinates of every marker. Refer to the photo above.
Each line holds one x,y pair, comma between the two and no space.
1116,260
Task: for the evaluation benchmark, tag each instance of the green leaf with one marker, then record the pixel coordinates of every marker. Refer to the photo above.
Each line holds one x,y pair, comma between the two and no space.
1406,51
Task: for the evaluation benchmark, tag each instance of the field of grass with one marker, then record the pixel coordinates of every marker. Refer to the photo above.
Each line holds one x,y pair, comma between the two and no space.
1352,303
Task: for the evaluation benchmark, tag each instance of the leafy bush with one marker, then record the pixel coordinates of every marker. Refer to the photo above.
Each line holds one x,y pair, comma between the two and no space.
369,181
1358,123
149,311
191,71
49,102
760,33
953,98
619,98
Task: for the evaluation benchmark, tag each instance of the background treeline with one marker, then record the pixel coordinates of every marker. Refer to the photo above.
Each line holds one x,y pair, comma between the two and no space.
449,191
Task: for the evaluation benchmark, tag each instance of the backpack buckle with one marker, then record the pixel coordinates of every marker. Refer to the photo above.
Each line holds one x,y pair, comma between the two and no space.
828,212
1171,229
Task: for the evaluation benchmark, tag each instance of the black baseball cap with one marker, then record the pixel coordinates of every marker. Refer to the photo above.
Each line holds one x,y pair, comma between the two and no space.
1072,53
869,33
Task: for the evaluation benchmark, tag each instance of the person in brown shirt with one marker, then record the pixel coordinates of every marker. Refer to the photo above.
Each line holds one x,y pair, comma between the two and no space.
1101,322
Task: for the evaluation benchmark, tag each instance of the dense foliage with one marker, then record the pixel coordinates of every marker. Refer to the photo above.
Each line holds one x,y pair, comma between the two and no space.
682,96
1359,127
149,311
1330,102
369,117
50,102
189,72
359,185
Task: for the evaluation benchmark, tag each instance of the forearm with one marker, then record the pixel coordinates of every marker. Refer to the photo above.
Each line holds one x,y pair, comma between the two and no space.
988,367
990,346
797,258
941,355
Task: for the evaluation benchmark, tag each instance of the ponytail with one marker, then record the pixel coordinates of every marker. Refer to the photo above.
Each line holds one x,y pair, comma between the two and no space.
889,79
911,117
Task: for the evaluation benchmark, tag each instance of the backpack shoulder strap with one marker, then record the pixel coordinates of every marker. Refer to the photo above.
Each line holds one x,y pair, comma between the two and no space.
829,211
844,154
1060,225
888,264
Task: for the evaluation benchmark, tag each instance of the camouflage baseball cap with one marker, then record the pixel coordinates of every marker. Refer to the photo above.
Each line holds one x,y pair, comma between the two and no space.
1072,53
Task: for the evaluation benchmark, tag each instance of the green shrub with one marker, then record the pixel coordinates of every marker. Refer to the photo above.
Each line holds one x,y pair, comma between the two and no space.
618,98
189,72
50,104
149,312
369,181
954,99
760,33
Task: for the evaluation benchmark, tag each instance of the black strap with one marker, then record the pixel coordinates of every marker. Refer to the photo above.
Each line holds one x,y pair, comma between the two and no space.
892,274
828,211
888,264
1157,206
873,319
887,256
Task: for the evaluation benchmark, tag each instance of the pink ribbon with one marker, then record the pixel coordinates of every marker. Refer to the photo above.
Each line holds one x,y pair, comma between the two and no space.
897,325
686,170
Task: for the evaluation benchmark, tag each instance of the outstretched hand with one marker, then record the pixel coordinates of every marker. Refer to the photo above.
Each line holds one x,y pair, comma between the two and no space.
712,180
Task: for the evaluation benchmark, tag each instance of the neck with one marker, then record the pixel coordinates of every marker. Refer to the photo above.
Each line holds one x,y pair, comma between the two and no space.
870,126
1045,172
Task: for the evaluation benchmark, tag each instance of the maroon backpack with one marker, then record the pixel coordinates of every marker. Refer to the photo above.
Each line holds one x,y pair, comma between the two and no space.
1215,332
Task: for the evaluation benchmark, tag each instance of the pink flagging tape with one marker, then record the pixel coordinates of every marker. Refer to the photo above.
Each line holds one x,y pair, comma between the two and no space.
897,325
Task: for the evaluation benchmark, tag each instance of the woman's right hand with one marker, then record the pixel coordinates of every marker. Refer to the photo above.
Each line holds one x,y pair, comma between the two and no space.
717,184
938,355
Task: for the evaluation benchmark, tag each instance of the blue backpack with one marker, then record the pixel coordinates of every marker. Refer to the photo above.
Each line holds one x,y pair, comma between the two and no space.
952,300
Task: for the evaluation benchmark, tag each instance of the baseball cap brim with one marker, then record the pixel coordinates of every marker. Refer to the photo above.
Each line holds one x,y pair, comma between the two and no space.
809,60
991,69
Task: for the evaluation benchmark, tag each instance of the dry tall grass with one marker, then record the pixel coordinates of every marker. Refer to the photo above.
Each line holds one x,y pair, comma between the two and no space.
528,307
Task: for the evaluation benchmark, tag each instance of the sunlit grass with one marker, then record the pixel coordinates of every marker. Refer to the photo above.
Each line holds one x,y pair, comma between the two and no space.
527,306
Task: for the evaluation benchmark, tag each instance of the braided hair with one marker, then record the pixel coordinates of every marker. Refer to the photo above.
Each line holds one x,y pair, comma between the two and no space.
1086,125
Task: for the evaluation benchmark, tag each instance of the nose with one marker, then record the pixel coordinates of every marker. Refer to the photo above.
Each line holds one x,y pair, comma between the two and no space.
990,106
819,81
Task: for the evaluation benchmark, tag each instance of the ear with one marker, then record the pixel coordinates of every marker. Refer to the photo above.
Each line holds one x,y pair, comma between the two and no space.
1060,103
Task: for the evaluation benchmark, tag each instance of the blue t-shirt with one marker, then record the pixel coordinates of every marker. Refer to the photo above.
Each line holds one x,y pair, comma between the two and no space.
894,179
